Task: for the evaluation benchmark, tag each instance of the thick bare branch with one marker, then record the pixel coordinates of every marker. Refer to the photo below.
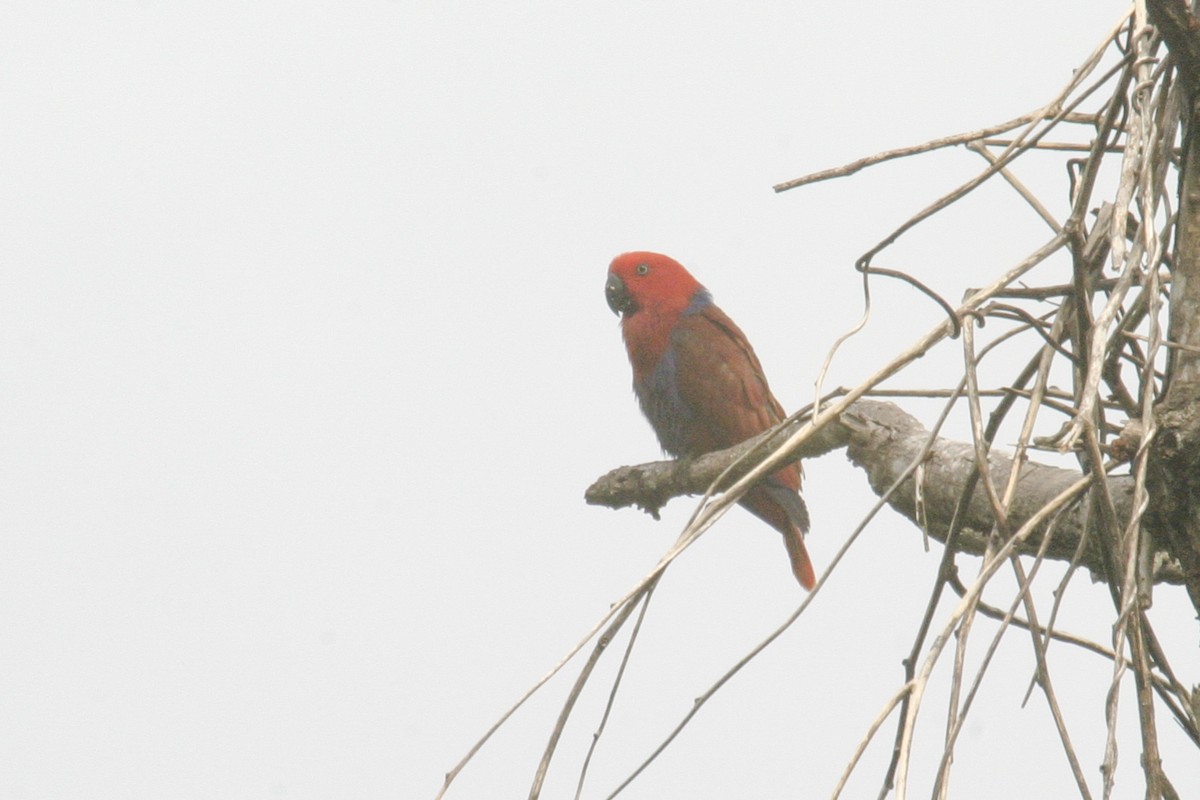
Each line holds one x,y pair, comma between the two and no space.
883,440
1180,29
1175,451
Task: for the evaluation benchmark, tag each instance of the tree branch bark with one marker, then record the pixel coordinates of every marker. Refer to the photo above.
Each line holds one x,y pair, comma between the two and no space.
882,440
1180,29
1174,475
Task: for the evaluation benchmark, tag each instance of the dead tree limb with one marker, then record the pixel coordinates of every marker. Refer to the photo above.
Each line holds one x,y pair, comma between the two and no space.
882,440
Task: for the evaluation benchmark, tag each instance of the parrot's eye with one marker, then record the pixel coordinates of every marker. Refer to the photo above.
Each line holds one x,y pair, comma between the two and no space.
642,269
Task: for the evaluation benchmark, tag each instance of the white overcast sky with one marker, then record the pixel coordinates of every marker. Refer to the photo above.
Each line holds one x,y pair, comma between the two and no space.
306,365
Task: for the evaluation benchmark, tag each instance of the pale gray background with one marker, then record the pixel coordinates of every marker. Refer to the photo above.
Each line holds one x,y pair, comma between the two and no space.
306,364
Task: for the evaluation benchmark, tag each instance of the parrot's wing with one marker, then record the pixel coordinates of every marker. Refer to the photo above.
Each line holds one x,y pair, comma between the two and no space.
721,381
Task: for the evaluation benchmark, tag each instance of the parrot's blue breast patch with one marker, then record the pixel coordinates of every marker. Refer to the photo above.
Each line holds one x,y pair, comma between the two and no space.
659,396
660,401
700,301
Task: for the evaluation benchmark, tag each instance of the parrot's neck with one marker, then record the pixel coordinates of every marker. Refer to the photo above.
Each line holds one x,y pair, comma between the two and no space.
647,332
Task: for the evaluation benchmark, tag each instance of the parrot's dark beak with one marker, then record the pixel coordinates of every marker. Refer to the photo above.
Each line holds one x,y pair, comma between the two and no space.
617,295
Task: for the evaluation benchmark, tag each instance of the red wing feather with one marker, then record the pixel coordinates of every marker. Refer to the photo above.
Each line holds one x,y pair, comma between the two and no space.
721,380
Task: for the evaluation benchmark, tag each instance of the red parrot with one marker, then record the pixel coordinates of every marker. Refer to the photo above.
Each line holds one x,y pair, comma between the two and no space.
700,384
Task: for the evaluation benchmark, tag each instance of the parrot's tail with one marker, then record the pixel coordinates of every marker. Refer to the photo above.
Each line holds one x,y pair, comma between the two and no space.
783,509
802,567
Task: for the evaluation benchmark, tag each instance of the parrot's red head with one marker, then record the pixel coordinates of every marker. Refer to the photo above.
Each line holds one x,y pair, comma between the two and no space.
650,281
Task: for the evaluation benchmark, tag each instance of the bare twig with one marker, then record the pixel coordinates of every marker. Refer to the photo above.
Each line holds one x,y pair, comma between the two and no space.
904,152
602,643
637,627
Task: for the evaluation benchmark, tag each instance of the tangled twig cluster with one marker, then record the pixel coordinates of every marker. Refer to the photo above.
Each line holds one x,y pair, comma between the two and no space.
1111,325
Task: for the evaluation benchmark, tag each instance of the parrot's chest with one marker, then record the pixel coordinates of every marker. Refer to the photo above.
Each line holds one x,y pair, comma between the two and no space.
672,419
